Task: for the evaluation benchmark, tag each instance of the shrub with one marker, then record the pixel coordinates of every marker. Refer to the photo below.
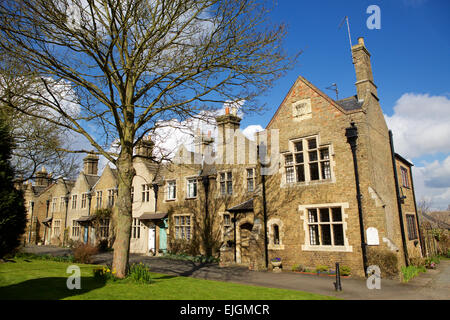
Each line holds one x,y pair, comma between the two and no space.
83,253
386,260
321,268
345,271
418,261
411,271
298,267
140,273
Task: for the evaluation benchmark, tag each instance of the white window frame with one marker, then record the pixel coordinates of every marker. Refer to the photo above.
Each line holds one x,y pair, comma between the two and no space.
74,201
84,200
76,229
301,158
226,180
145,193
171,190
304,215
99,196
182,229
56,226
252,179
136,229
189,190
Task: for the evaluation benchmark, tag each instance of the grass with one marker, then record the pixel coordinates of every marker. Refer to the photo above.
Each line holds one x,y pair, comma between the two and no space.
411,272
23,278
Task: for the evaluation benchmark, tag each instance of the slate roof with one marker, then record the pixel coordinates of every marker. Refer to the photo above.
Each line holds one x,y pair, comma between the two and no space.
242,207
350,104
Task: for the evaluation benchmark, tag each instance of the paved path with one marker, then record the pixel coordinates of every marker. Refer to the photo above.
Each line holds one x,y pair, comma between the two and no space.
434,284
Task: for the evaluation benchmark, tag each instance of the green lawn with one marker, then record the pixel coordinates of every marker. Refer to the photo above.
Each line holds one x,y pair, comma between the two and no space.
39,279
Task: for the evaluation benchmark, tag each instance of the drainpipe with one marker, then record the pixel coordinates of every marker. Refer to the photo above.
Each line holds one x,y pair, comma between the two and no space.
352,135
155,190
66,198
422,249
399,203
46,215
205,181
234,223
31,221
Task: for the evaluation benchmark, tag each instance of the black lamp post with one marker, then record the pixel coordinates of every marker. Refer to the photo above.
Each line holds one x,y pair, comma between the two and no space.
352,136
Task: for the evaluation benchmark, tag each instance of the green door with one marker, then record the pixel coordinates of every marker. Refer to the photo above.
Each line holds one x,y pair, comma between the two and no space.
163,235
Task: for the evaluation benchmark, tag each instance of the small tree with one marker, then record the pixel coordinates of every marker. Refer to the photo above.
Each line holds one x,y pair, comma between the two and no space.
12,211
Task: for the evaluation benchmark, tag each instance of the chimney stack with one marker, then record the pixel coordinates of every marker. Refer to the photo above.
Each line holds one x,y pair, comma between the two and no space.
90,164
145,147
364,77
42,178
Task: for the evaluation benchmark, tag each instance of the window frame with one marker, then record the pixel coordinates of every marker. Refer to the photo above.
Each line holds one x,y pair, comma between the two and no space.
194,182
182,231
298,163
404,175
226,183
307,224
171,190
411,226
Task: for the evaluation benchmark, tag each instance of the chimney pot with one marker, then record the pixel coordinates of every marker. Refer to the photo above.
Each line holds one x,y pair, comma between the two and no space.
227,110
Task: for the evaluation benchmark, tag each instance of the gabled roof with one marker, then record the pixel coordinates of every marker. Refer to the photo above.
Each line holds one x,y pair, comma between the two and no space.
91,180
349,106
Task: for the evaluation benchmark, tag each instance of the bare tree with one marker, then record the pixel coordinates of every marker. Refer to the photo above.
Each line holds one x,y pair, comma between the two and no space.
132,63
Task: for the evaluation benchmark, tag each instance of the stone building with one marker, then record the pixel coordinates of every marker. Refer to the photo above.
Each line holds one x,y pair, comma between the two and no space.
329,194
321,184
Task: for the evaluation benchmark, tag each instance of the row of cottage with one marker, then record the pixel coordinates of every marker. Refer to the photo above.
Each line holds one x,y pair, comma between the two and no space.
333,189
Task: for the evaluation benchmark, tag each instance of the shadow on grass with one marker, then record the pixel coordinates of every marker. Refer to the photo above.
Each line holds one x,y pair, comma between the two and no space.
53,288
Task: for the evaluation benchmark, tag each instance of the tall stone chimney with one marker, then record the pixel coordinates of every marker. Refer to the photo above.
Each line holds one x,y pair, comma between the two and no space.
203,142
227,125
90,164
364,77
42,178
145,147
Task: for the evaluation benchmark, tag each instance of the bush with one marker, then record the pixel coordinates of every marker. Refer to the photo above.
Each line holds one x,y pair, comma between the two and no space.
298,268
386,260
65,258
83,252
345,271
417,262
411,271
140,273
321,268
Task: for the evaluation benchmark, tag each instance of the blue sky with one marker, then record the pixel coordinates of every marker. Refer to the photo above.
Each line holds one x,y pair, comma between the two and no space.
410,53
411,67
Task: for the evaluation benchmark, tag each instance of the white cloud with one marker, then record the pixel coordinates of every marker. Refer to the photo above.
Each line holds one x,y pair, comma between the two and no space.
432,183
420,125
250,131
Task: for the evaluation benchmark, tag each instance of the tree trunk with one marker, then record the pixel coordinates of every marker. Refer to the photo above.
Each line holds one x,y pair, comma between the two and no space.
122,216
